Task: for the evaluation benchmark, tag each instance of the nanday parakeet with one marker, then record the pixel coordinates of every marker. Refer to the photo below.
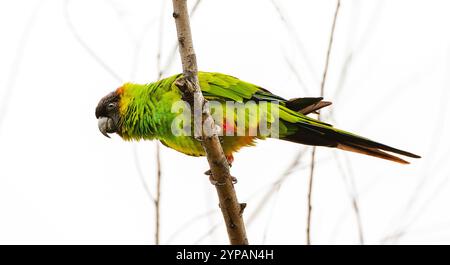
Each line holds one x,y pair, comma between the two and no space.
136,112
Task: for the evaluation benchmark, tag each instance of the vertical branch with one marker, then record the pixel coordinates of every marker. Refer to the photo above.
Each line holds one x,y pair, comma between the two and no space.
157,200
160,71
231,209
330,45
158,194
313,153
310,186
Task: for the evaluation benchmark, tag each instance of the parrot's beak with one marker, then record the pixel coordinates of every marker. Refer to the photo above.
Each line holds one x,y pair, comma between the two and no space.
106,125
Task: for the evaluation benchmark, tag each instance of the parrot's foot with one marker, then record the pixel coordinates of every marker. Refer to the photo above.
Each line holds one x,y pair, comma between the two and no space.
230,160
208,172
215,182
234,179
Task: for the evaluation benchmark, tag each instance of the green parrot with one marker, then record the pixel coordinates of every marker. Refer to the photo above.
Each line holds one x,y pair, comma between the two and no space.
136,112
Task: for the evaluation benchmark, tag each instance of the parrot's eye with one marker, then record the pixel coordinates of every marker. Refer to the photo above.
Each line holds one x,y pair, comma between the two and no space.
111,106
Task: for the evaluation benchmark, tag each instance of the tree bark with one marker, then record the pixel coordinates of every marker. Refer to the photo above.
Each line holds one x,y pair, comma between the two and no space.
231,209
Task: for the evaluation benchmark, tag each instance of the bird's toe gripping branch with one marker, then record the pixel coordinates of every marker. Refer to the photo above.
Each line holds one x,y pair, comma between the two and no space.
217,183
214,182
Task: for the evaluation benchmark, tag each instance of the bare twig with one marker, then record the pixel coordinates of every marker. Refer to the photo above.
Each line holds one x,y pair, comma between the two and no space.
158,150
313,153
161,71
330,45
158,194
141,174
231,208
310,186
160,41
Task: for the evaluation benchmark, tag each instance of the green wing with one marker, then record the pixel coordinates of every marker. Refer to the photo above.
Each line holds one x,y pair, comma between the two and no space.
217,86
294,126
223,87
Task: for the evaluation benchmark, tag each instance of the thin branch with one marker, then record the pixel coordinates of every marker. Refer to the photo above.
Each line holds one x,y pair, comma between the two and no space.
313,153
310,186
158,150
141,174
160,40
231,209
330,45
161,71
158,195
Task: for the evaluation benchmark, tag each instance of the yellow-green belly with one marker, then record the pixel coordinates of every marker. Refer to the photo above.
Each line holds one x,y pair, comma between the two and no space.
190,146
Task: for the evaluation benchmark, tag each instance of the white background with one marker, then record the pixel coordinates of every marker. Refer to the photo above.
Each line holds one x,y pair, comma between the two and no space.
62,182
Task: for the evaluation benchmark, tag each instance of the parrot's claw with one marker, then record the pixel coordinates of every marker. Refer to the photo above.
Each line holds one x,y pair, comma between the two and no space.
209,173
234,180
215,182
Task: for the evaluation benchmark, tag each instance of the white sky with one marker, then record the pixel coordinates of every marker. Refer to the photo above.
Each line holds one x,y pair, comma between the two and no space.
62,182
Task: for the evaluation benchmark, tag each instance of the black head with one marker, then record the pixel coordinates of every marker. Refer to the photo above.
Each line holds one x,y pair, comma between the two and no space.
107,113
